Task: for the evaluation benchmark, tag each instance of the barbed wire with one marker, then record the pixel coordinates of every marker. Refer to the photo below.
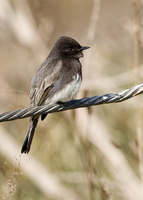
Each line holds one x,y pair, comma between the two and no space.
73,104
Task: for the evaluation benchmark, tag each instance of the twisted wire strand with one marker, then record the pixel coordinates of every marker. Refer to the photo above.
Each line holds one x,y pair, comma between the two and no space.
73,104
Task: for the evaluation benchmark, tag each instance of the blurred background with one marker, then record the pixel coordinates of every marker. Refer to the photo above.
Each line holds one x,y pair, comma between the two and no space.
84,154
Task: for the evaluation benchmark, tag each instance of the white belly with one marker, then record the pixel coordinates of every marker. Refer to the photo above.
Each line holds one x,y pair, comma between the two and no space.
67,93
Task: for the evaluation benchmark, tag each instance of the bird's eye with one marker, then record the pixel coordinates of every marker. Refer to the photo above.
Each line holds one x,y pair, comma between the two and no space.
70,49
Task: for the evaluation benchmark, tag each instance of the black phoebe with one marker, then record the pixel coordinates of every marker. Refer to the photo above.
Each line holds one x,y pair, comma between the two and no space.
57,80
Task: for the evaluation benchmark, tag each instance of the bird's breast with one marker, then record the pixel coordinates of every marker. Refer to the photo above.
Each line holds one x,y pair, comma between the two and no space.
67,92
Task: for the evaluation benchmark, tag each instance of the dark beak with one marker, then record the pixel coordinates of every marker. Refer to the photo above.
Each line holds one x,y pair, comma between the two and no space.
84,48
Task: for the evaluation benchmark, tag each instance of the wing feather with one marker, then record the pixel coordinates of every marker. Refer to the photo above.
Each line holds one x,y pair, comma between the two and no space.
43,81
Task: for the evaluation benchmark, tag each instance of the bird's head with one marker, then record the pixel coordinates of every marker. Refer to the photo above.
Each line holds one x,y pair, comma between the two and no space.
67,46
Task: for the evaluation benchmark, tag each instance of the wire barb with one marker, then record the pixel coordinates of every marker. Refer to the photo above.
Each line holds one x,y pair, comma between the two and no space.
73,104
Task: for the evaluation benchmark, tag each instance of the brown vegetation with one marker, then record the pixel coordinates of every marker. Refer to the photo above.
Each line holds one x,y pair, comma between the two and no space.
89,154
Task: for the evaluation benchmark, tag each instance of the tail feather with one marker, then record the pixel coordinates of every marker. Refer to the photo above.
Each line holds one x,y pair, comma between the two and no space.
29,136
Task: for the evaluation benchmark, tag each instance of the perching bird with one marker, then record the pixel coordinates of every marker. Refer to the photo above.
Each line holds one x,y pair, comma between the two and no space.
57,80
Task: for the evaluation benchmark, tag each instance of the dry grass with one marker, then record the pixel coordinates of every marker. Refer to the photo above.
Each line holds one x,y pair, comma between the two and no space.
9,186
94,153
